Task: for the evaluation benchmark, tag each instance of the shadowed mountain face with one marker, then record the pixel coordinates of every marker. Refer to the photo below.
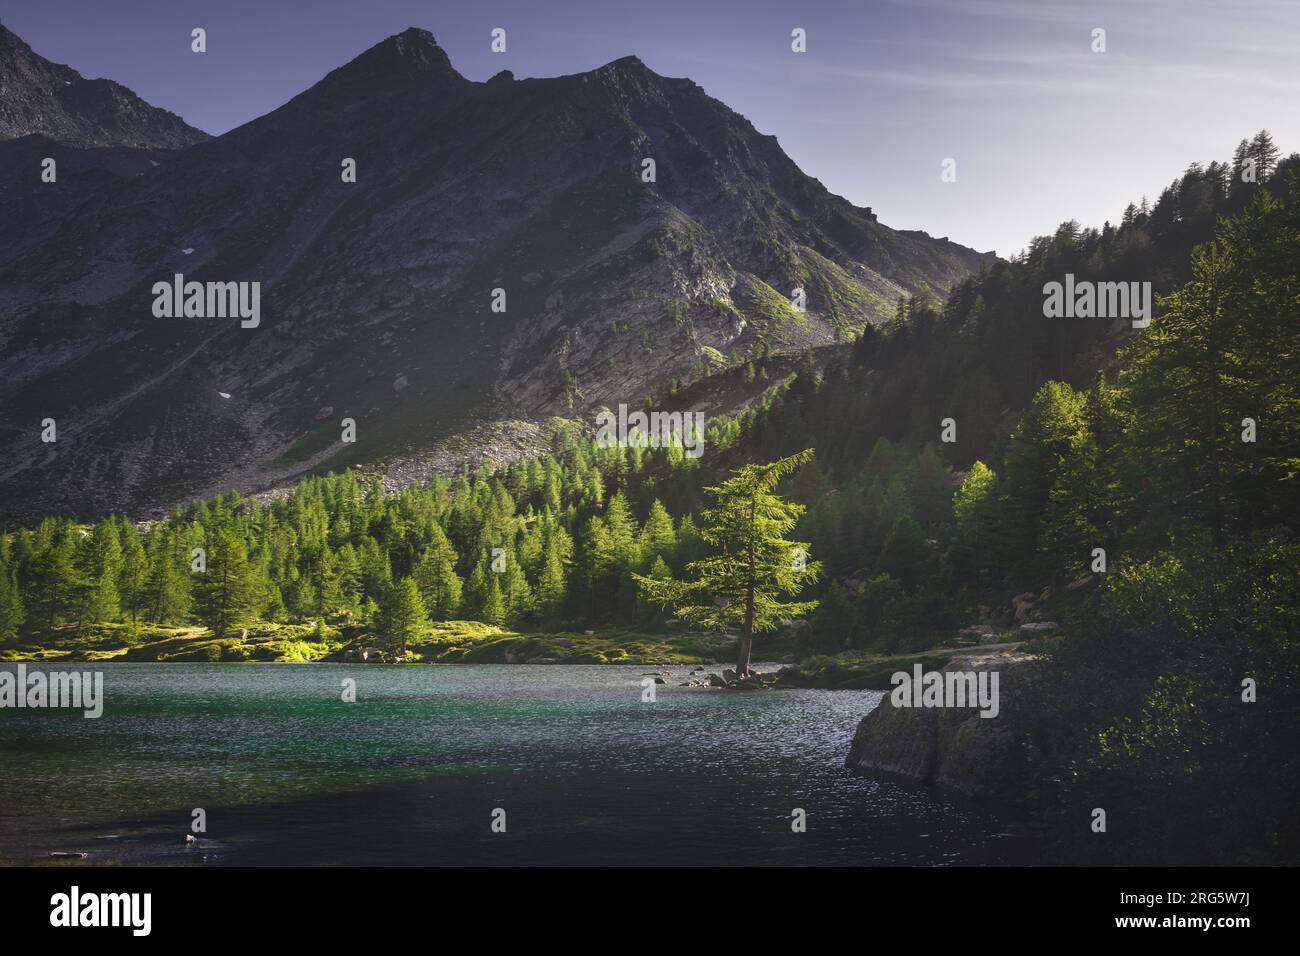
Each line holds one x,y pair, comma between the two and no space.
38,97
377,295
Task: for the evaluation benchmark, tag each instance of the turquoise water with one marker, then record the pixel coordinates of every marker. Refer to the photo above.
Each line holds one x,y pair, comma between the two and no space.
410,774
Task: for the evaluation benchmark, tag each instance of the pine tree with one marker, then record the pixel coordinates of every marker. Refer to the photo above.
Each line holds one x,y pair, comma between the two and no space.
1179,379
1264,153
592,570
100,566
273,603
440,587
349,570
474,594
1238,184
168,590
906,554
551,584
11,604
299,596
975,508
742,583
226,591
376,572
401,616
54,581
494,607
622,551
657,538
133,579
325,582
516,594
1034,465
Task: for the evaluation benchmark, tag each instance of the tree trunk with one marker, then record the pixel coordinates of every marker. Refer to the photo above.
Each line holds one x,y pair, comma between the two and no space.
746,635
742,661
747,628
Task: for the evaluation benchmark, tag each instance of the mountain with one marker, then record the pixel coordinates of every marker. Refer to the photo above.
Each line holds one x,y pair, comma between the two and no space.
38,97
377,295
98,132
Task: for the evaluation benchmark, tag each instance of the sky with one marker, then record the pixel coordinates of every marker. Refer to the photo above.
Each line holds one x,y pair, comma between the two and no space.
1042,128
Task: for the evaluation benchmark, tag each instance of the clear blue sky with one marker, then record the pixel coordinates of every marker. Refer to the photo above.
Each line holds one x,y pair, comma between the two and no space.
1042,129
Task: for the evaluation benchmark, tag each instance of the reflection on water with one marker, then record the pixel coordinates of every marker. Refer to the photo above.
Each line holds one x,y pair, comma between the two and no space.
410,774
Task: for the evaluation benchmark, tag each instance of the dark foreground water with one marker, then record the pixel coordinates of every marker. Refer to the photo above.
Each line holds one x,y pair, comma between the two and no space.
411,773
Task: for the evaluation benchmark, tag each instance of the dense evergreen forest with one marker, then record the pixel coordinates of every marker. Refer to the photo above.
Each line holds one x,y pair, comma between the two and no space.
1170,455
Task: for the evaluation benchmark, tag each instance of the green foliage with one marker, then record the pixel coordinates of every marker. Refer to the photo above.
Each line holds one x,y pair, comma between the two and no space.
906,555
974,507
754,565
12,614
225,593
1073,435
401,616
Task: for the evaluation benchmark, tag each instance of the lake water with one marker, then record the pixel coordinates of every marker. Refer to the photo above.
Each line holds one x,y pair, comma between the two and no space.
410,774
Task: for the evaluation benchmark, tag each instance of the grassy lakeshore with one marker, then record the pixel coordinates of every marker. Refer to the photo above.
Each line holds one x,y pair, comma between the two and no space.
445,642
470,642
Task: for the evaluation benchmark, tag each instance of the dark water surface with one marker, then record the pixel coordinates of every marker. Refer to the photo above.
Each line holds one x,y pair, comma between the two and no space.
410,774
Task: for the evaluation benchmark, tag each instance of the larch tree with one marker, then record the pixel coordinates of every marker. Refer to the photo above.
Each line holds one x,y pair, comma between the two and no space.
742,584
401,616
226,590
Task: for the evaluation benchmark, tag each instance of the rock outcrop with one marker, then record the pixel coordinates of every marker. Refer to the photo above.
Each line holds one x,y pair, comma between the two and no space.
980,756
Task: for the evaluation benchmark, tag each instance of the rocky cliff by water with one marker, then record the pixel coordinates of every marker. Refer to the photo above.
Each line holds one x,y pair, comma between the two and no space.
958,748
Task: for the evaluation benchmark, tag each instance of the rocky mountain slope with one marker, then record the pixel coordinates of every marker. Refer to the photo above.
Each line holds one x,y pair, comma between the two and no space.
96,131
38,97
376,295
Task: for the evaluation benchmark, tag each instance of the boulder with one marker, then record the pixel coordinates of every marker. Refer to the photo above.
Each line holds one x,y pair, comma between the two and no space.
728,676
1035,628
713,680
1022,605
954,747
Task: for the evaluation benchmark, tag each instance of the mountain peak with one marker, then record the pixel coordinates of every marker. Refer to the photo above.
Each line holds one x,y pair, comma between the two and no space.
630,65
49,99
412,56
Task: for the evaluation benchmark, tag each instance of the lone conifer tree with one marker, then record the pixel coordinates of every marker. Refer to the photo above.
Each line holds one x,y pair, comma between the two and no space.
740,585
